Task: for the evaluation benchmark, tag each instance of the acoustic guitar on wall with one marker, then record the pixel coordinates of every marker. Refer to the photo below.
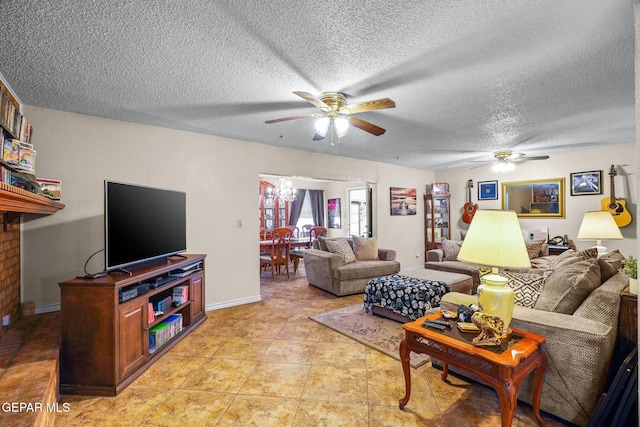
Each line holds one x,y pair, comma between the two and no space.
469,208
617,207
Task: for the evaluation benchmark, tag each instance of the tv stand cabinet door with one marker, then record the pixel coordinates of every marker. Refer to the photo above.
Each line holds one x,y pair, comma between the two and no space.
133,342
197,297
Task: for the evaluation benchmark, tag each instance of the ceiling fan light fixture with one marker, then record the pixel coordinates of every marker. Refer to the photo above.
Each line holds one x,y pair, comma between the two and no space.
322,125
342,126
503,167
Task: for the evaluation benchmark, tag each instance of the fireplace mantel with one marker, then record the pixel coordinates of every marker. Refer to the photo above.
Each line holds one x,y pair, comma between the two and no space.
15,201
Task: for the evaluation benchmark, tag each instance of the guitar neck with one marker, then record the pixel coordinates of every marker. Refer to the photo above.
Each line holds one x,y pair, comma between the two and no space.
613,192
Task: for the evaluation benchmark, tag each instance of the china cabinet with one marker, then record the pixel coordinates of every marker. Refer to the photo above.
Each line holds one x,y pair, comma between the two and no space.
273,212
436,221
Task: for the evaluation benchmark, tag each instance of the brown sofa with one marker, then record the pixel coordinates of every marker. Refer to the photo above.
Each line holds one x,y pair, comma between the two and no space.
328,271
436,260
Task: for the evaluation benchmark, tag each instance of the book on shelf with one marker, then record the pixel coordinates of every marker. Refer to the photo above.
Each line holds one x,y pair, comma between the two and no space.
11,151
181,294
161,333
151,314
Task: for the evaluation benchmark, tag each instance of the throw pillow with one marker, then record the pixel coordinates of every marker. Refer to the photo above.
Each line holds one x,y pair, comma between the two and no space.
566,287
571,256
341,247
321,243
610,263
365,249
451,249
533,248
526,287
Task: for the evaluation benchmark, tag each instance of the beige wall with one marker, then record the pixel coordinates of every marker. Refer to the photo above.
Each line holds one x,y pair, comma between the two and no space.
558,166
220,177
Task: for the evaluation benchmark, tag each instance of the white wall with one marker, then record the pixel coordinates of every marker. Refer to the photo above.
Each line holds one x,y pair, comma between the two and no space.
220,177
557,166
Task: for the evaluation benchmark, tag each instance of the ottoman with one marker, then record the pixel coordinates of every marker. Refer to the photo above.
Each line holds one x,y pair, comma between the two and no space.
421,300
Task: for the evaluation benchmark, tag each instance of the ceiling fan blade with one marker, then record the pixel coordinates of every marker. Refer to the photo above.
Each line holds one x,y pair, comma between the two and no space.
378,104
367,127
284,119
313,99
525,158
318,137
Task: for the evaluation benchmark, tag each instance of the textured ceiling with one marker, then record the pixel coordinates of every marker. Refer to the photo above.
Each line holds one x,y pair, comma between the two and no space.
468,77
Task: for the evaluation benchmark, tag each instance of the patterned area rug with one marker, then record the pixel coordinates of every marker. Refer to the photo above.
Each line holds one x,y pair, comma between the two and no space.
376,332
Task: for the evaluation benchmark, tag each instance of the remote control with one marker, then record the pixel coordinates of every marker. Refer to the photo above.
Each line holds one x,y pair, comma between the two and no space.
440,322
433,325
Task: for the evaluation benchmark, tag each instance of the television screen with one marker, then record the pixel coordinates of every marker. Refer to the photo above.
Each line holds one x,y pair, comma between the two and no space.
142,224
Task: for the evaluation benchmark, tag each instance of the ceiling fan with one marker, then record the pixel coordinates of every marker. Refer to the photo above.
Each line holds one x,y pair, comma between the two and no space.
337,114
505,160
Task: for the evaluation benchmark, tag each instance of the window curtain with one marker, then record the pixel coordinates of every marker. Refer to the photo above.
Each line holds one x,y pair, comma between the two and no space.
296,207
317,206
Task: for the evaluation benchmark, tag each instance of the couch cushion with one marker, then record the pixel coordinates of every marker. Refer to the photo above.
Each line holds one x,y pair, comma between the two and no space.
451,249
365,249
566,287
526,287
365,269
610,263
341,247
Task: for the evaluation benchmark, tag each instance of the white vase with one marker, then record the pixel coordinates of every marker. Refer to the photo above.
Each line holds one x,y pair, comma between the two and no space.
633,286
496,298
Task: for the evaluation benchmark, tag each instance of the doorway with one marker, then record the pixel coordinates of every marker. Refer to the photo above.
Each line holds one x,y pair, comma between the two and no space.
358,212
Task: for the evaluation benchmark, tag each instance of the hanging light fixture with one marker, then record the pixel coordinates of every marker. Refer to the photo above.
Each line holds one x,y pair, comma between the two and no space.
503,166
324,124
284,191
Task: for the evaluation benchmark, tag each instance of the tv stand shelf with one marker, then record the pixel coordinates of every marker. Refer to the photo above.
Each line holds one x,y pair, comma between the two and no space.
105,344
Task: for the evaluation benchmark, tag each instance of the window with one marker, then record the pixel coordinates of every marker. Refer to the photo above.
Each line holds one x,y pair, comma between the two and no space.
306,217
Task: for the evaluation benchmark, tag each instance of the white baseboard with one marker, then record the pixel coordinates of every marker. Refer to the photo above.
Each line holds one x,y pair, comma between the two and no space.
418,267
41,309
232,303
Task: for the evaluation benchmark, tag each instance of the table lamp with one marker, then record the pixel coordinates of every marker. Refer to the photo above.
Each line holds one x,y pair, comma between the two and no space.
495,240
599,226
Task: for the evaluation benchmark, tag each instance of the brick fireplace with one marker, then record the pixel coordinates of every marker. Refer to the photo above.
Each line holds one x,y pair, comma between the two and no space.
10,272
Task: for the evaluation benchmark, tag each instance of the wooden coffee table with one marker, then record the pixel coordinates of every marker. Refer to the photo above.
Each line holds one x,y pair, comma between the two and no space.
501,367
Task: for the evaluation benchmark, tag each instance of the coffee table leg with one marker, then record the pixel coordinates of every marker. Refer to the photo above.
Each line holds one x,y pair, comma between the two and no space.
538,381
507,392
404,358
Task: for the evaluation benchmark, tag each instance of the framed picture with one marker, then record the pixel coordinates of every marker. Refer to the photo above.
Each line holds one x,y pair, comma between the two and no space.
403,201
487,190
586,183
334,214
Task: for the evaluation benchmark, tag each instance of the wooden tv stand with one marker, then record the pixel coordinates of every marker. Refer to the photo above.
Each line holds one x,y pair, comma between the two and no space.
105,343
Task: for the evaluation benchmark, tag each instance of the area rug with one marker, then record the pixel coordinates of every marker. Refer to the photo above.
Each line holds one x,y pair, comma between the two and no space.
376,332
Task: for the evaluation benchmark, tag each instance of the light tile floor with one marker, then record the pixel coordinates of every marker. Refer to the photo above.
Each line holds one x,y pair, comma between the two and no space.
268,364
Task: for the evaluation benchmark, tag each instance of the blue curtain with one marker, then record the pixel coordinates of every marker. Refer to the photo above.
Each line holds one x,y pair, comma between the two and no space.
296,207
317,206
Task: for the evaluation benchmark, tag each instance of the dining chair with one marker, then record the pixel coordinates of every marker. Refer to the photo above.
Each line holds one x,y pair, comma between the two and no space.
278,252
306,230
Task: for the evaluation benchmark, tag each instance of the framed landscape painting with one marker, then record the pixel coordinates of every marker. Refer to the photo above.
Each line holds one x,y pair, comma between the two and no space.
403,201
585,183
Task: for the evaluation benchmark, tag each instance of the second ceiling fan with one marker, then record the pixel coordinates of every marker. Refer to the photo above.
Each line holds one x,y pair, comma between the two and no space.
338,115
506,159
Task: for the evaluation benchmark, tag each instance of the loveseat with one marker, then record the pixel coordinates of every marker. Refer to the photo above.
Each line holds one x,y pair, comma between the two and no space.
345,266
445,259
579,341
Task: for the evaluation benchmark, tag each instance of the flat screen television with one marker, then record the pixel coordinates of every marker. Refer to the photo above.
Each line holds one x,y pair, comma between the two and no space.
142,224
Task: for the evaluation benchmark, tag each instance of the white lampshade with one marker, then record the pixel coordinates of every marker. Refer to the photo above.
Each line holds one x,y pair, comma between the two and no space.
599,226
494,239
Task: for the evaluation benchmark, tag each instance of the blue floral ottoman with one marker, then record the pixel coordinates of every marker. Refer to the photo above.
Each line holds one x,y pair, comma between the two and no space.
409,297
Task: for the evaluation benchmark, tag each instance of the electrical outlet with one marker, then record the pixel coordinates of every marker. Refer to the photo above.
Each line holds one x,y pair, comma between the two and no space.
239,223
5,320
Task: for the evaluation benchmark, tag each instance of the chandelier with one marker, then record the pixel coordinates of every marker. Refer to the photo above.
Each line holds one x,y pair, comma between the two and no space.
284,191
